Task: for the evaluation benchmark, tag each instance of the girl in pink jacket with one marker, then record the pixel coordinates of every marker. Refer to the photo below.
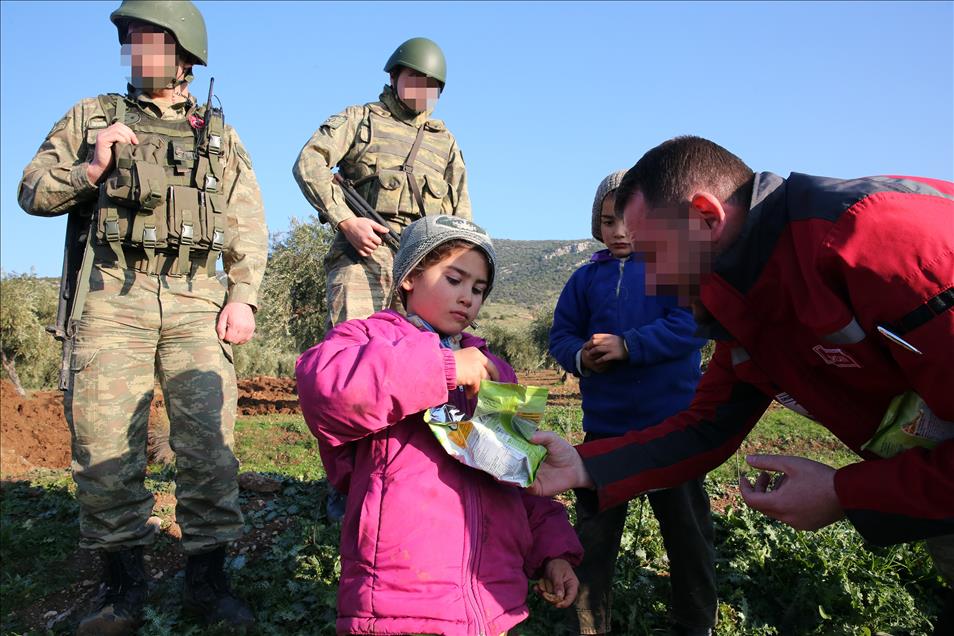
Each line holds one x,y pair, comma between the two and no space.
428,545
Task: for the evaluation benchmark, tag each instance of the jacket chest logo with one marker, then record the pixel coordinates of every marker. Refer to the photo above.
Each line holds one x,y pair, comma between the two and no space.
836,357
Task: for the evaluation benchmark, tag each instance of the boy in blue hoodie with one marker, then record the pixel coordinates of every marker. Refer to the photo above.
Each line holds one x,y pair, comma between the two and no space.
638,362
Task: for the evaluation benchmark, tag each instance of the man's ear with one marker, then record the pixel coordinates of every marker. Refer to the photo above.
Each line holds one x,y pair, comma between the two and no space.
407,284
708,206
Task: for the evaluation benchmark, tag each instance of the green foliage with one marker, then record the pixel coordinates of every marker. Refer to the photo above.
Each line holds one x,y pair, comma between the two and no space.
525,346
260,356
292,312
772,579
38,529
27,307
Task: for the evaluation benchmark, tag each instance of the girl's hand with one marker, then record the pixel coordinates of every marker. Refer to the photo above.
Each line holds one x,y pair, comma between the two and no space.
559,584
472,367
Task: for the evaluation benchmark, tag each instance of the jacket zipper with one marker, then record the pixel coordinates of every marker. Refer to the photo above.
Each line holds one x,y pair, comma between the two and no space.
472,511
619,281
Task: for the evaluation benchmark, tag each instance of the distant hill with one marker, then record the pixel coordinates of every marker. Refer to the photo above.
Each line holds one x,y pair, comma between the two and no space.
532,273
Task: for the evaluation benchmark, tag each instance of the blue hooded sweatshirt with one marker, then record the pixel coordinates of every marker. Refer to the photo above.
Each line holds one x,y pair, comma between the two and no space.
608,295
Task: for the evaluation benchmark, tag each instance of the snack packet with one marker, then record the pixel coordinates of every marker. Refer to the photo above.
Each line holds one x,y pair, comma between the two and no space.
496,439
907,423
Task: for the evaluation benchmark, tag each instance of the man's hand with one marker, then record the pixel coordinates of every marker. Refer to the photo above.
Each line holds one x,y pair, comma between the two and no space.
802,495
472,367
559,584
363,234
236,323
104,152
561,470
604,348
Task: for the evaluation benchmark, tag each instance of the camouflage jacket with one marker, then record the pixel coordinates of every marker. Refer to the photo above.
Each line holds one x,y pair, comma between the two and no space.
369,144
55,183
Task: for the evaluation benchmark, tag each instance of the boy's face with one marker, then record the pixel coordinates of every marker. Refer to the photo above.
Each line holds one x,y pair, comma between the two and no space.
613,229
449,293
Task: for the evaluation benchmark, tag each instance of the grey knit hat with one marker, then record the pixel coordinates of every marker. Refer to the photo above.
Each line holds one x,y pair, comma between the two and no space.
423,235
607,185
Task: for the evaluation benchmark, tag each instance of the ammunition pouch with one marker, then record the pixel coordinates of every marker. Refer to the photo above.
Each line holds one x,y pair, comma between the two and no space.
163,197
399,170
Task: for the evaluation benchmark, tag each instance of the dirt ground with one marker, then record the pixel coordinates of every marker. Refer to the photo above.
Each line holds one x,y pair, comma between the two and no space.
34,434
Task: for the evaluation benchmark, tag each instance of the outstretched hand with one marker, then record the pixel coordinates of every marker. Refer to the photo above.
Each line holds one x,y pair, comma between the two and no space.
802,493
561,470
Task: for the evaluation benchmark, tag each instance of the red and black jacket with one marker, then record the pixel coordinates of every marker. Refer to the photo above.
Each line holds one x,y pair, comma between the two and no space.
819,265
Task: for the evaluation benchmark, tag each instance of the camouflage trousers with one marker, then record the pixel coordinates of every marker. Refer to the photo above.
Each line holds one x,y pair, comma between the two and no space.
134,327
357,287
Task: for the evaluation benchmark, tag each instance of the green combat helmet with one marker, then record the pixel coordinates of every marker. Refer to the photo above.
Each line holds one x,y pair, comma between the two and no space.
179,17
422,55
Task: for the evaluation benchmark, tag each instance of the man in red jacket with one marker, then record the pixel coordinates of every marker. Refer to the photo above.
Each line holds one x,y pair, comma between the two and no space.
833,297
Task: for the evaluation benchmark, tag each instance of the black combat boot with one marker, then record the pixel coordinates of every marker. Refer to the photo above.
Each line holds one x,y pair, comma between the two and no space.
118,605
207,594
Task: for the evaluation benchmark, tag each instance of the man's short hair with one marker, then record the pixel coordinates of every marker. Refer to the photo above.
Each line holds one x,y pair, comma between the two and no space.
671,172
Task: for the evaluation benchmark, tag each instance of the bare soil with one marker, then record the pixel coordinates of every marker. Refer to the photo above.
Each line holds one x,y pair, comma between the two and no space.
34,433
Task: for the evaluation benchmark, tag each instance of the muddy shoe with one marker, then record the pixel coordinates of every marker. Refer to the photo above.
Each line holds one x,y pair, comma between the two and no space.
207,595
117,609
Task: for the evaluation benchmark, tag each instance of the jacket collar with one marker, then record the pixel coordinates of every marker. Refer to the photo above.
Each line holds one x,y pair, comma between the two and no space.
400,111
161,111
466,339
603,256
740,266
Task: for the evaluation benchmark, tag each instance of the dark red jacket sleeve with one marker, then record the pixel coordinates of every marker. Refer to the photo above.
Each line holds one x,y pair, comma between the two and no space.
681,447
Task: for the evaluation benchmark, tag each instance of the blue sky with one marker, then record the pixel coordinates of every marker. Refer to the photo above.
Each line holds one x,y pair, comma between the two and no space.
544,98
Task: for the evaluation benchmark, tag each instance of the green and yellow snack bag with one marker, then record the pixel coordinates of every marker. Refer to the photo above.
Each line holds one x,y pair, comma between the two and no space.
496,439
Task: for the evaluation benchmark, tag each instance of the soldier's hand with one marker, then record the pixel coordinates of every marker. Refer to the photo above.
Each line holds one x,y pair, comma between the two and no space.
236,323
472,367
363,234
103,153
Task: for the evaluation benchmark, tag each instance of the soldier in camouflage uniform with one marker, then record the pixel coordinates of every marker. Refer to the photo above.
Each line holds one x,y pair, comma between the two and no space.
162,188
402,162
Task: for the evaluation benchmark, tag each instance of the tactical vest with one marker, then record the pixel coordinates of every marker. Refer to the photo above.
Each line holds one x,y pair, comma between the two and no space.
165,193
397,182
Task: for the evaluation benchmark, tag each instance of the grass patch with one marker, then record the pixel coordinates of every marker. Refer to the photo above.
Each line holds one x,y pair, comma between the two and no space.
279,445
772,579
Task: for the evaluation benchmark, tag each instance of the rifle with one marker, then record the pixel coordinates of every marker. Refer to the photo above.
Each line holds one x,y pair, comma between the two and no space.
363,209
78,226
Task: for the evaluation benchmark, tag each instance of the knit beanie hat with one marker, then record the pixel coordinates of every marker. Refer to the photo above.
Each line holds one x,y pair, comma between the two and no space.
607,185
426,233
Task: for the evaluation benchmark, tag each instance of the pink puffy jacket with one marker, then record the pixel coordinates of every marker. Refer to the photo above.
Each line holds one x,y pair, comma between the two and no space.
428,545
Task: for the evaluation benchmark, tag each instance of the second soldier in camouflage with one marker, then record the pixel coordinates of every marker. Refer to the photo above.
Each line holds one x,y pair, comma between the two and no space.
403,163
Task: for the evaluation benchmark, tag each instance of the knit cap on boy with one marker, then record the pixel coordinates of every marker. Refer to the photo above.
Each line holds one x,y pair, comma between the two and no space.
426,233
606,186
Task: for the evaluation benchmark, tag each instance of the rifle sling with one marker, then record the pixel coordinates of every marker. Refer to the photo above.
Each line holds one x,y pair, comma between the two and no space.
408,168
82,284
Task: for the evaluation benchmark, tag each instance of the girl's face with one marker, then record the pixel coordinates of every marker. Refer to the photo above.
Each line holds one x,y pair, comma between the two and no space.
449,293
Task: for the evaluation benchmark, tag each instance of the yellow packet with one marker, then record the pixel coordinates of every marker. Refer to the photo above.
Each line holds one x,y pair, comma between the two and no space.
496,439
908,423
